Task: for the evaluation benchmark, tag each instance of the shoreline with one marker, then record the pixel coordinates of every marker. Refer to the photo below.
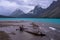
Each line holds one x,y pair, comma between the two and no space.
22,21
44,28
27,22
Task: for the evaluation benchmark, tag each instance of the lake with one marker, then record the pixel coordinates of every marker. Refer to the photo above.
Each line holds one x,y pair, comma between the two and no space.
44,20
17,35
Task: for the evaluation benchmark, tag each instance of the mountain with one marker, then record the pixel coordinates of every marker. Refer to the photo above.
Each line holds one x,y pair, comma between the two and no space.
17,13
38,11
20,14
2,16
35,12
53,11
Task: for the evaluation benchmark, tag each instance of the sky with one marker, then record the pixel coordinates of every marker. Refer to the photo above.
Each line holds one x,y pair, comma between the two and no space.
8,6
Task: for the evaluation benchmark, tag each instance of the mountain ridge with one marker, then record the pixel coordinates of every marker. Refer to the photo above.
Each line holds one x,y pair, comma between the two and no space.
51,12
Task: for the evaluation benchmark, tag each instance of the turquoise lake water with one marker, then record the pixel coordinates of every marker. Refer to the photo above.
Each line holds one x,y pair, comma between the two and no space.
57,21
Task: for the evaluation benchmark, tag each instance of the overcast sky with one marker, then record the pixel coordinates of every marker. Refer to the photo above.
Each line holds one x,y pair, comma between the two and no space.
8,6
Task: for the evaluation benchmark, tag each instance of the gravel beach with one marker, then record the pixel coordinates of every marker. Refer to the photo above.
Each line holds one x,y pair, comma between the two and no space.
52,31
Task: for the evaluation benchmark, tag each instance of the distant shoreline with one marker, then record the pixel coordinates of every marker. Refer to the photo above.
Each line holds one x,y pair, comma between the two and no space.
17,23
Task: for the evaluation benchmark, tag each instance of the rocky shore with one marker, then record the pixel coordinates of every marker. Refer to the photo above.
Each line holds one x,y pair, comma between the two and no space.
52,31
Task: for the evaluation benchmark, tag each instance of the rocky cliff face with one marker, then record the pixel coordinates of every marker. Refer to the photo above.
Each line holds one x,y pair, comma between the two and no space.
52,11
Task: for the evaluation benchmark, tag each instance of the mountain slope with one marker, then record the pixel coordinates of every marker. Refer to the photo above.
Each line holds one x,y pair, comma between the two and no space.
17,13
52,11
1,16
